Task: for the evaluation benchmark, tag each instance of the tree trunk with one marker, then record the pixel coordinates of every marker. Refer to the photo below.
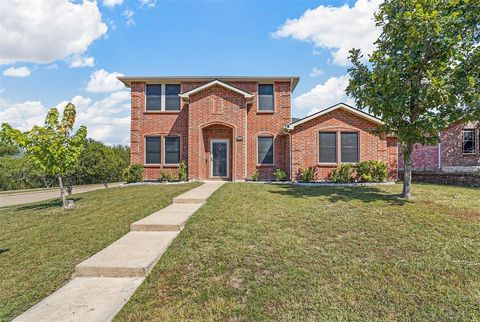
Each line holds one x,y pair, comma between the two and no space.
407,171
62,191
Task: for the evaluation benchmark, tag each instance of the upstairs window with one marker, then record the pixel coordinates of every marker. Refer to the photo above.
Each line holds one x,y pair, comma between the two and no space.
265,97
327,147
172,100
154,97
468,141
172,150
265,150
349,147
152,149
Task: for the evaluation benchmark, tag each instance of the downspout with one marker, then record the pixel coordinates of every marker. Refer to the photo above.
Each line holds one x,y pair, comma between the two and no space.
245,143
440,152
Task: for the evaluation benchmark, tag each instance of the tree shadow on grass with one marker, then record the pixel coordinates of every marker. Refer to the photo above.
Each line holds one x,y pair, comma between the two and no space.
335,194
55,203
4,250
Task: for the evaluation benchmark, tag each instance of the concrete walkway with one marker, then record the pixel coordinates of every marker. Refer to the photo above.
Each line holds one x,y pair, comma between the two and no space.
18,197
104,282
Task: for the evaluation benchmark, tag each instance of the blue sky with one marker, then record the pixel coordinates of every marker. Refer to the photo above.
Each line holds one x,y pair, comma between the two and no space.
71,51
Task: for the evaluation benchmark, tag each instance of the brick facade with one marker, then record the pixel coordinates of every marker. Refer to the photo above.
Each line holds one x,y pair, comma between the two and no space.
218,112
305,142
446,156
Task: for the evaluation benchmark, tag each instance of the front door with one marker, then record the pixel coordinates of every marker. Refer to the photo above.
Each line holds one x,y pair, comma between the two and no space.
219,158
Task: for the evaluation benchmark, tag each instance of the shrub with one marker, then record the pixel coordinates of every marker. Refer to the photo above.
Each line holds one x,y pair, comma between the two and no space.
307,174
182,171
280,174
166,176
343,174
372,171
133,173
256,175
476,173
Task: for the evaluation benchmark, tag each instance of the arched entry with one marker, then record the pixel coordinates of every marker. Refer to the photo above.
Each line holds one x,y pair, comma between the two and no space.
217,152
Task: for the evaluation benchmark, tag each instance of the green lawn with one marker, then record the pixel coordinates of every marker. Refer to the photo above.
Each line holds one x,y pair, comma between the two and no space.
40,244
269,252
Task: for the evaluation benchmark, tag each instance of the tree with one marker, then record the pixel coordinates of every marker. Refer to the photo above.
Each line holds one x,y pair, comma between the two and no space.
424,74
51,147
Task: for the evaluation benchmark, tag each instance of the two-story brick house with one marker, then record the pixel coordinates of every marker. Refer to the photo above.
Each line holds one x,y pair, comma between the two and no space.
230,127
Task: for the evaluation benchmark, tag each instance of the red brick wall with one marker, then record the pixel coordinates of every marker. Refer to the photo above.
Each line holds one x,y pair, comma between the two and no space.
210,111
305,143
425,157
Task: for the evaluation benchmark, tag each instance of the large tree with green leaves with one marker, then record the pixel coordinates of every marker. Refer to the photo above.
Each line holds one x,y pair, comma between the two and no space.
424,74
52,147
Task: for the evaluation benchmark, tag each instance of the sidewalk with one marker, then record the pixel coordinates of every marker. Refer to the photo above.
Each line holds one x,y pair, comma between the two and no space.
104,282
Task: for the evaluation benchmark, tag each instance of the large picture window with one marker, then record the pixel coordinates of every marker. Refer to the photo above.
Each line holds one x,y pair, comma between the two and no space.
172,100
154,97
152,150
265,97
328,147
172,150
349,147
468,141
265,150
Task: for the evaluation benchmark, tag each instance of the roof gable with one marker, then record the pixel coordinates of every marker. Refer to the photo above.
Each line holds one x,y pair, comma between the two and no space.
342,106
186,95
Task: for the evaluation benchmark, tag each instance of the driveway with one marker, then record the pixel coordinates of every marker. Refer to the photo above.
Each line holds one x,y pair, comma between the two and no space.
19,198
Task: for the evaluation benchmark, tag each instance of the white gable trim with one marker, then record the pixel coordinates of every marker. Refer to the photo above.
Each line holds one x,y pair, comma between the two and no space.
343,106
186,95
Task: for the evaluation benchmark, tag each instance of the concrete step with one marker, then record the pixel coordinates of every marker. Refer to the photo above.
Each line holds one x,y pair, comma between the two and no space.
171,218
200,194
84,299
133,255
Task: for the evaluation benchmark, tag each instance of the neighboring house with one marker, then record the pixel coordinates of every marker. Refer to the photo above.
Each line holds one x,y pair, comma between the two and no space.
230,127
458,151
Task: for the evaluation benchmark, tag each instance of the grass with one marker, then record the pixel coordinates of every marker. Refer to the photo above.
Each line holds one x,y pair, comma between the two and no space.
269,252
40,243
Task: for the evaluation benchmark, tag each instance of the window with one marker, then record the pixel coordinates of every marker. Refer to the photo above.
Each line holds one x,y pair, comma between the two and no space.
265,97
154,97
468,141
265,150
349,147
172,100
328,147
152,150
172,150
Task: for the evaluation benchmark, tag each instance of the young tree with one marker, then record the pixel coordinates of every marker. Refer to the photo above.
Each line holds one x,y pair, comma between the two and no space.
51,147
424,74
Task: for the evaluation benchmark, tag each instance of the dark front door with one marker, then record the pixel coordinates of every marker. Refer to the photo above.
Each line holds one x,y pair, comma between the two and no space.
219,158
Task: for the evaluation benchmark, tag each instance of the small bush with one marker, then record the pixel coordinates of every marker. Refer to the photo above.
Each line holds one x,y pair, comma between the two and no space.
307,175
182,171
280,174
371,171
476,173
133,173
343,174
256,175
166,176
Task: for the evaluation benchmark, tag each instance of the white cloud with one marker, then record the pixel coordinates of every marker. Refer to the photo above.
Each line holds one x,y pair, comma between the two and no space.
48,30
102,81
128,14
51,66
81,61
323,95
337,29
112,3
17,72
316,72
147,3
107,119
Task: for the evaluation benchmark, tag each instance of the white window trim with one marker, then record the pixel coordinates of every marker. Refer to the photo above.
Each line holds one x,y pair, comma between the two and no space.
474,141
162,99
273,152
258,98
227,141
145,150
164,150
